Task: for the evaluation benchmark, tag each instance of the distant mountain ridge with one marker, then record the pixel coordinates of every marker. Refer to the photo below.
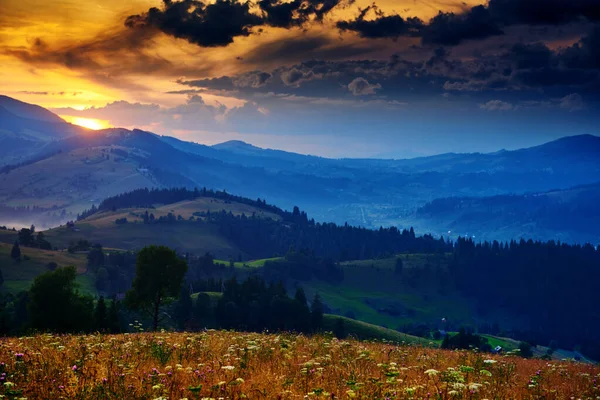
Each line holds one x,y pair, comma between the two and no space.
87,166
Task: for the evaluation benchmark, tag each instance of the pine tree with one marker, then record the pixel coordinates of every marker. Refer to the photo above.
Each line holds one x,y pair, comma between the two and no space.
15,253
101,315
183,308
399,266
316,313
114,322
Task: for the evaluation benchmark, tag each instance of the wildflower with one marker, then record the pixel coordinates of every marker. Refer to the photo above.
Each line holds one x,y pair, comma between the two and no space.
74,368
432,372
490,361
228,367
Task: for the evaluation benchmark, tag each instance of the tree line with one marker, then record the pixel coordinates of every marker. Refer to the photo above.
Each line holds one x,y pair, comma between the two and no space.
553,285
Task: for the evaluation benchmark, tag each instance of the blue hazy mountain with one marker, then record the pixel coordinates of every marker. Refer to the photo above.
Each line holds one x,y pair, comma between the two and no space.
367,192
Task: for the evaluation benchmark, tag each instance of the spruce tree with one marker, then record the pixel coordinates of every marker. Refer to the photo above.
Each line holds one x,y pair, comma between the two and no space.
15,253
316,313
101,315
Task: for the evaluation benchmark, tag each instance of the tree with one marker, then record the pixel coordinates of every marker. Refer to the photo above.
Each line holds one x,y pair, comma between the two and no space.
399,266
339,329
302,317
159,275
316,313
1,278
114,321
100,315
525,350
15,253
55,305
183,308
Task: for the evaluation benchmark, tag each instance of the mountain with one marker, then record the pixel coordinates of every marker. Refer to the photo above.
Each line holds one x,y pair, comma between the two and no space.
366,192
28,111
26,129
567,215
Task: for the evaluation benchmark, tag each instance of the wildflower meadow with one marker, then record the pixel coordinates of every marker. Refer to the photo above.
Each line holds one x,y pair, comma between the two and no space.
231,365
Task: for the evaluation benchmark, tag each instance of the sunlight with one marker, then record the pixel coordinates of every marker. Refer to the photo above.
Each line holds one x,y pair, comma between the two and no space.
90,123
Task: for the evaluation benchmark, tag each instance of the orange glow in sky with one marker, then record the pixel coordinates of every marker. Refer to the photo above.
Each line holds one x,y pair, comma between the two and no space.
90,123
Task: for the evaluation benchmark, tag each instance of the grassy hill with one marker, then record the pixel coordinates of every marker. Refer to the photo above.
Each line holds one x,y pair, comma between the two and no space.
79,178
184,236
18,276
365,331
371,291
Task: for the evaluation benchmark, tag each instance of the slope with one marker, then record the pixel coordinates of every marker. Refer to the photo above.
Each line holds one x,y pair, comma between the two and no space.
19,275
186,233
569,215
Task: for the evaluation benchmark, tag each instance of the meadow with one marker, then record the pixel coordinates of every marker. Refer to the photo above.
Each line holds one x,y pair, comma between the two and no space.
231,365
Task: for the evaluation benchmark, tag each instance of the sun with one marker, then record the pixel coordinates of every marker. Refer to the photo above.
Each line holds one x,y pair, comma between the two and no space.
90,123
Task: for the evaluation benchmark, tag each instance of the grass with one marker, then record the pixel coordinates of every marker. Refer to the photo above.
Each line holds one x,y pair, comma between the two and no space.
233,365
18,276
184,236
250,264
365,331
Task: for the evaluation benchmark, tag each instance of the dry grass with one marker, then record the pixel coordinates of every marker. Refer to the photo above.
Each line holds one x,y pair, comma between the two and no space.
229,365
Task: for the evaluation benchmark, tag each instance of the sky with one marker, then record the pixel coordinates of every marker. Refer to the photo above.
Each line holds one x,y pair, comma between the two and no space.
337,78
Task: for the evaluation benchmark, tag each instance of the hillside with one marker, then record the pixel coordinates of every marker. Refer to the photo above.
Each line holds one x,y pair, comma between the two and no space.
183,235
19,275
568,215
366,192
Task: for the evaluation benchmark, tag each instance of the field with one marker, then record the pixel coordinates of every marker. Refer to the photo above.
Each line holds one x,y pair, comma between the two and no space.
250,264
372,292
18,276
183,236
231,365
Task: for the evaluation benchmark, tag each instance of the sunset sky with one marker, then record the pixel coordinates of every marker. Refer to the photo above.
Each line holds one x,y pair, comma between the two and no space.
337,78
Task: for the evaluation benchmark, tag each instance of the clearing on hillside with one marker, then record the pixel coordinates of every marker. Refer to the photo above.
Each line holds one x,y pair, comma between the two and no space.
183,235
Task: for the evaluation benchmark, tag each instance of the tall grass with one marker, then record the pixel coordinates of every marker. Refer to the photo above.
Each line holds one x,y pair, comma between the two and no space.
230,365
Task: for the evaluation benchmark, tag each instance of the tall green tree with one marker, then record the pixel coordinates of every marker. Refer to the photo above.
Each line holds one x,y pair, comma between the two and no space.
55,304
101,315
114,321
183,308
316,313
15,253
158,277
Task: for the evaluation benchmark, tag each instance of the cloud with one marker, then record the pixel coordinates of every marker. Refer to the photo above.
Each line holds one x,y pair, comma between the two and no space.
362,87
572,102
475,23
383,26
543,12
585,54
496,105
450,29
295,13
294,77
207,25
218,24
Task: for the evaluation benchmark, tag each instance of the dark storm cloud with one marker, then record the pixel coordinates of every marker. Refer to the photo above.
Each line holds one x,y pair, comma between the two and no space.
384,26
585,54
543,12
295,13
450,29
212,25
218,24
479,22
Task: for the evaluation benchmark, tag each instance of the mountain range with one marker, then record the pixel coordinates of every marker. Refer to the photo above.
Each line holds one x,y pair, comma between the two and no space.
51,170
